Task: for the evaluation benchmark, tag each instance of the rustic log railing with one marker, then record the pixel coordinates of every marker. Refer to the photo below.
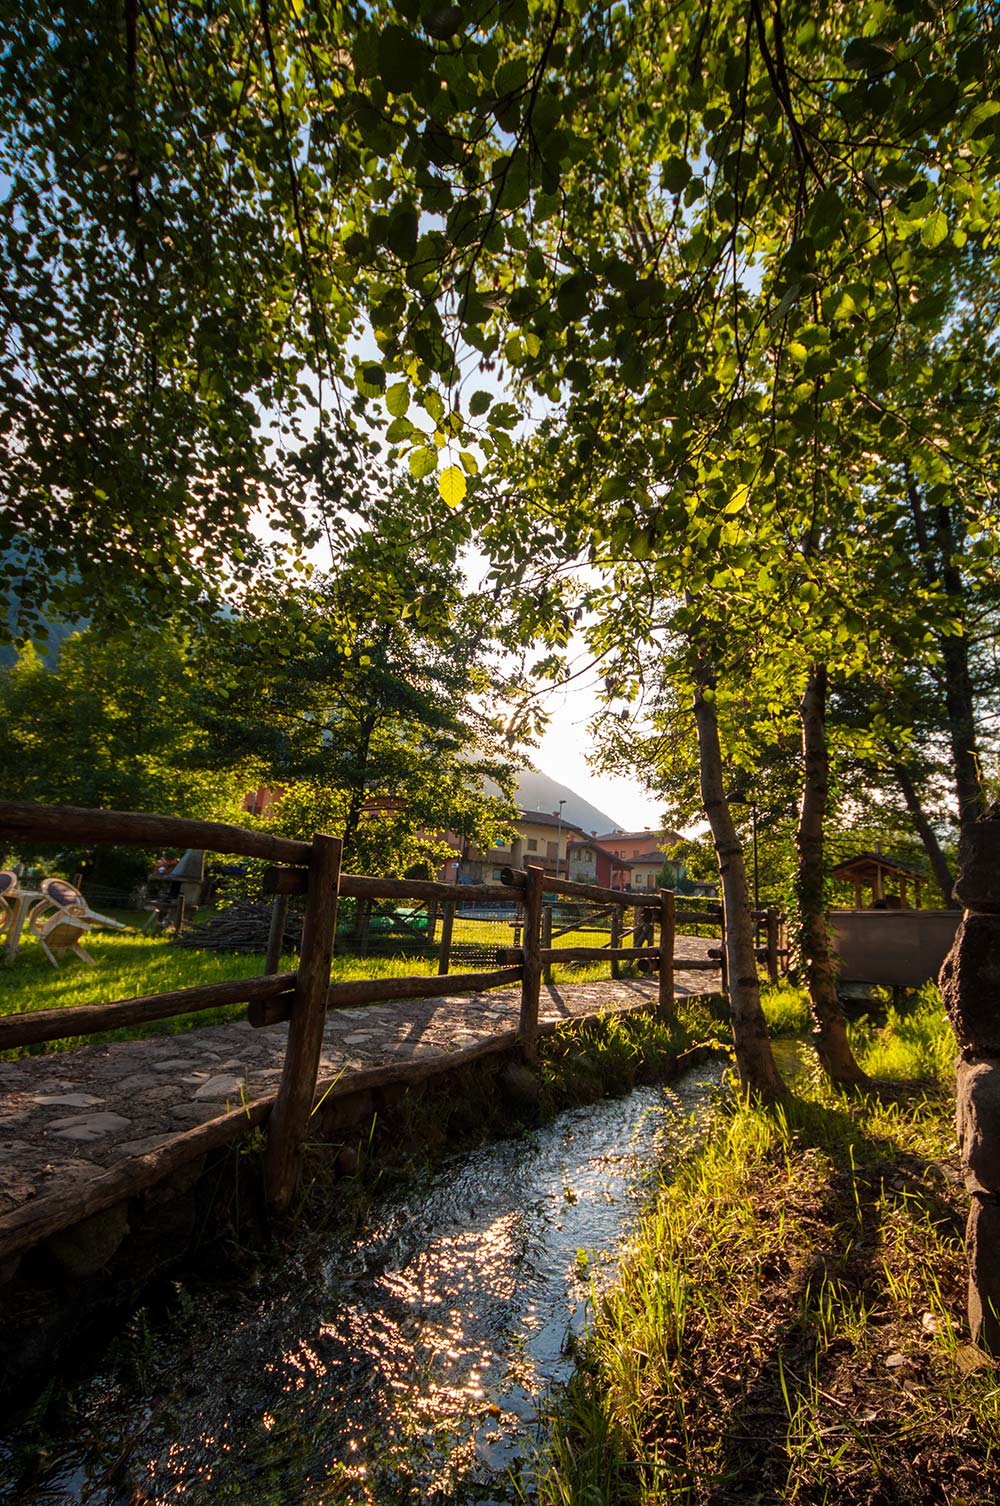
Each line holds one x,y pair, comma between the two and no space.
303,997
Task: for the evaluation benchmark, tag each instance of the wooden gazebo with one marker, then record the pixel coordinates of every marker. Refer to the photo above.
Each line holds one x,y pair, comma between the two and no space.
871,870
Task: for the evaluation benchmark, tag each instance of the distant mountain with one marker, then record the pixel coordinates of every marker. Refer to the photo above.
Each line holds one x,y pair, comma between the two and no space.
537,792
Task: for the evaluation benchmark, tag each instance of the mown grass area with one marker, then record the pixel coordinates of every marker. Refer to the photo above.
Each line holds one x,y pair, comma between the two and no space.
789,1322
130,965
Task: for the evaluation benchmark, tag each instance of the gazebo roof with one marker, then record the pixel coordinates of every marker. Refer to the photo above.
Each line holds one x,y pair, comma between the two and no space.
866,865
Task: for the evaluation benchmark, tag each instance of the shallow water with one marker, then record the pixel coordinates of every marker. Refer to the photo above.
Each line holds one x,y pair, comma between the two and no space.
412,1363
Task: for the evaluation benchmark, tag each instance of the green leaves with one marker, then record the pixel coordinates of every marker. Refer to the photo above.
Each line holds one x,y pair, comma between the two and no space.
676,173
399,58
397,399
422,463
369,379
934,230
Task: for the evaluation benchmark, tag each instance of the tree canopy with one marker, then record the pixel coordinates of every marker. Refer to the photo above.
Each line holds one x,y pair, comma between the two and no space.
691,312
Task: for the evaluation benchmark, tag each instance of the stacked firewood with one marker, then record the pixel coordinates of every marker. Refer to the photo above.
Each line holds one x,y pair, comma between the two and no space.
242,927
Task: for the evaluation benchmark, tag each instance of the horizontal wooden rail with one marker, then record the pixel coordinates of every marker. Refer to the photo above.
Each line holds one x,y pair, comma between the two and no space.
362,886
377,990
598,953
358,886
514,878
31,1029
72,824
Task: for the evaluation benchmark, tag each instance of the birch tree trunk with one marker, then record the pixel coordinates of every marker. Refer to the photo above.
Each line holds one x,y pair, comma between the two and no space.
759,1074
830,1037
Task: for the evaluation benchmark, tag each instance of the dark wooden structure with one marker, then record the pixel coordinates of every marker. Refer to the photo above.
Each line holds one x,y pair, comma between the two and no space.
875,872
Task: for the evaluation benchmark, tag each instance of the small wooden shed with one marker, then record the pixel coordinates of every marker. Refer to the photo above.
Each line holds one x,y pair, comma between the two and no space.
874,871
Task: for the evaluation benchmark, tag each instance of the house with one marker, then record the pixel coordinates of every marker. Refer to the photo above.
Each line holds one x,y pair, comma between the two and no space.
647,870
634,844
540,837
590,863
644,852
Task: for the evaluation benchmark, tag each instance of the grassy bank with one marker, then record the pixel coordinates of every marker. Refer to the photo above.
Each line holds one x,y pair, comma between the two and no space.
789,1323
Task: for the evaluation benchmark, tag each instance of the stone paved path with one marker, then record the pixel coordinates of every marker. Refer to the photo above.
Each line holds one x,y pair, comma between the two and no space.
71,1115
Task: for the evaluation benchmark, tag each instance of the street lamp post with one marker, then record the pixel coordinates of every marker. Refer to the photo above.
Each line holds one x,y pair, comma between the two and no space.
558,814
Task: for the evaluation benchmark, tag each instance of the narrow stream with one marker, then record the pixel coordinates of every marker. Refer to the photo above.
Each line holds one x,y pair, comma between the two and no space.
409,1364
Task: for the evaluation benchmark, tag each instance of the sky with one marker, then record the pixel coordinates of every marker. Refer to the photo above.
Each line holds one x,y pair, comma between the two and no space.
562,754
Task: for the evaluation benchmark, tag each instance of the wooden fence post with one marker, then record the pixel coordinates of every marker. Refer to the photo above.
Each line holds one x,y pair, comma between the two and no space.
276,934
432,920
667,949
547,940
289,1119
531,975
771,918
616,941
447,924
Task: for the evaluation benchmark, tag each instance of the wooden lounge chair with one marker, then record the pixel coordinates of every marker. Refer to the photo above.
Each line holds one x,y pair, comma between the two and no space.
62,918
8,891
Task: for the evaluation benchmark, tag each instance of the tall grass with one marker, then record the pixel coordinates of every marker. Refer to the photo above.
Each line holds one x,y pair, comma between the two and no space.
788,1323
915,1042
786,1009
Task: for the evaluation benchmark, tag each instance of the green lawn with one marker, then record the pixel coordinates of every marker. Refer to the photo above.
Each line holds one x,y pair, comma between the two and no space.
130,965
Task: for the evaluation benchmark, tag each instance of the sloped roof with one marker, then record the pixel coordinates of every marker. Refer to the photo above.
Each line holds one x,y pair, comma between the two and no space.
593,843
863,863
668,837
548,818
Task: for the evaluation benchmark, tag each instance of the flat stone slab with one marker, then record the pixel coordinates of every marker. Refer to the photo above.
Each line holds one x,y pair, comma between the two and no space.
226,1085
69,1100
89,1126
159,1087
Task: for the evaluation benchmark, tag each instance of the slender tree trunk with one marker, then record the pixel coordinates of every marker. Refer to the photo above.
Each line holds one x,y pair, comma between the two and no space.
940,569
831,1041
754,1057
356,802
927,835
957,674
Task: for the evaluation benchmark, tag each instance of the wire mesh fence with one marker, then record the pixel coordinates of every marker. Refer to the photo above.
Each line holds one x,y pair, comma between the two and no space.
385,937
449,935
378,936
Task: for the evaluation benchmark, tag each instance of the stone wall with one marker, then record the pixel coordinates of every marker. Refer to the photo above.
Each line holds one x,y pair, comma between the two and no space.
970,987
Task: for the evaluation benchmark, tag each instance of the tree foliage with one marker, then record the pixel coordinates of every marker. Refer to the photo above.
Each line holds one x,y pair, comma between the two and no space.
114,724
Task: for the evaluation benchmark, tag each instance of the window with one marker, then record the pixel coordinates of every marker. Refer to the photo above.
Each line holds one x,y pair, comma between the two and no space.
551,850
532,844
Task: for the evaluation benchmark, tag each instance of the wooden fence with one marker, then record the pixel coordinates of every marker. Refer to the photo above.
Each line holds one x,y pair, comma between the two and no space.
313,870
